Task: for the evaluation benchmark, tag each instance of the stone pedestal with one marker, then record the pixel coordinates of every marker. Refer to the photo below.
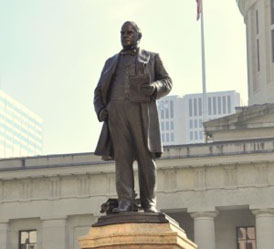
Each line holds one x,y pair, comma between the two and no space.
137,235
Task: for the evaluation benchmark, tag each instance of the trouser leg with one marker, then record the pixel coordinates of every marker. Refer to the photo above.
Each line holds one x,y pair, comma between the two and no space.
147,182
146,163
123,150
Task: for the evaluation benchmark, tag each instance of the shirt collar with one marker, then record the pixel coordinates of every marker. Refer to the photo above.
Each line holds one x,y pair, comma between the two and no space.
132,52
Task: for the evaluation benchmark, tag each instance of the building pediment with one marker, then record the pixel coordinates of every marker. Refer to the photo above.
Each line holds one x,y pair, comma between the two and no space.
250,122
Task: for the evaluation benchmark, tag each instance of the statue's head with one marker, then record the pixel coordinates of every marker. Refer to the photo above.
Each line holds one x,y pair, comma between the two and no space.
130,35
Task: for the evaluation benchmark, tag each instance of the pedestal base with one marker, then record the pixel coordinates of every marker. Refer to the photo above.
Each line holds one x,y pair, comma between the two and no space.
165,235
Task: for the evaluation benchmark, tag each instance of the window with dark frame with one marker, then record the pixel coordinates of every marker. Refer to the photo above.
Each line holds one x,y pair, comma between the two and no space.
246,238
28,239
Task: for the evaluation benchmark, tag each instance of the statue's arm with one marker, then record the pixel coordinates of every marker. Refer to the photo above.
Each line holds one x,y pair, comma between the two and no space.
163,83
98,97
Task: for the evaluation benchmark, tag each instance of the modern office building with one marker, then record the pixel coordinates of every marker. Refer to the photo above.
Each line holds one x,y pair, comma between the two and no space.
181,118
171,119
20,129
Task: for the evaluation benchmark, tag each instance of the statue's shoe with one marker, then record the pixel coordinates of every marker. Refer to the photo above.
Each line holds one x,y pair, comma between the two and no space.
150,209
124,206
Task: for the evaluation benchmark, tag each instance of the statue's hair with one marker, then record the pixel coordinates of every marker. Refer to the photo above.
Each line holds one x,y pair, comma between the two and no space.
136,28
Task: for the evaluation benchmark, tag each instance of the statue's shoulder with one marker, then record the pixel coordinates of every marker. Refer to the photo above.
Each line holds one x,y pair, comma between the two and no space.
112,58
147,54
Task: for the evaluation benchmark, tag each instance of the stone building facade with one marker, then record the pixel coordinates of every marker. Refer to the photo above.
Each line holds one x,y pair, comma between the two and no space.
219,192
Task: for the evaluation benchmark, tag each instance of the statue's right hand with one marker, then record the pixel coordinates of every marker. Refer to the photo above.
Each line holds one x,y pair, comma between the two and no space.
103,115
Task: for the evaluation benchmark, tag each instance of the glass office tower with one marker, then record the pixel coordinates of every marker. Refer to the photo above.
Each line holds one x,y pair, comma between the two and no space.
20,129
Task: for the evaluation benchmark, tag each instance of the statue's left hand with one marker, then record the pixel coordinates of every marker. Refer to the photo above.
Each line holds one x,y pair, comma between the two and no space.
148,89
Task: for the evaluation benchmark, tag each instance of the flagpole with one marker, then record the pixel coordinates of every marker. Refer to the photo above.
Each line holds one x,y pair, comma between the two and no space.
205,112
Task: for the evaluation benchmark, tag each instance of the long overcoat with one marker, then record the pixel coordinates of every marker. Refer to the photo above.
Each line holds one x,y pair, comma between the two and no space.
146,62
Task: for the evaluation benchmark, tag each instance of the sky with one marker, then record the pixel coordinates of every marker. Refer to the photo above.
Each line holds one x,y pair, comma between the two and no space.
52,53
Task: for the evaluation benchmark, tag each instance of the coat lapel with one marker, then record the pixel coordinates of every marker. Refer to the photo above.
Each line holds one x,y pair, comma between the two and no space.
143,56
107,76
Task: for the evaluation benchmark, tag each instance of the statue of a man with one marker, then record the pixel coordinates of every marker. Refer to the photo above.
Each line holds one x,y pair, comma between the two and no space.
125,99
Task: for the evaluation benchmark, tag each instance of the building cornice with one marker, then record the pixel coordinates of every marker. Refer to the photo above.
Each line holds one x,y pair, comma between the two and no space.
241,6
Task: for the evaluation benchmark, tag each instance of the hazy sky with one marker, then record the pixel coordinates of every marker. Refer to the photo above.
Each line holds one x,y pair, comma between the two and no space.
52,53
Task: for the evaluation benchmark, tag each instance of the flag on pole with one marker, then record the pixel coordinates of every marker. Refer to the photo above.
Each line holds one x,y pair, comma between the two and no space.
199,8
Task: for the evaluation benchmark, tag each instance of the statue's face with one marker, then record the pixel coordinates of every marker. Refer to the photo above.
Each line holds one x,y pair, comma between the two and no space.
129,36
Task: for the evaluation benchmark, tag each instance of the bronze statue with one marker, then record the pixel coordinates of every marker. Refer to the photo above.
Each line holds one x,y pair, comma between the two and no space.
125,100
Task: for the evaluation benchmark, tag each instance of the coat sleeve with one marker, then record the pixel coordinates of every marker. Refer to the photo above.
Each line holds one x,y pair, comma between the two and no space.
98,97
163,83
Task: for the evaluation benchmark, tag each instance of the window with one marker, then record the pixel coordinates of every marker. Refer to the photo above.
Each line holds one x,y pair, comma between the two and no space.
196,135
228,104
272,36
162,113
166,109
201,135
272,29
224,105
162,126
246,238
214,106
195,107
272,11
219,105
191,135
27,239
167,137
171,125
167,125
171,109
209,106
200,107
190,124
172,137
163,137
190,107
257,22
200,123
195,123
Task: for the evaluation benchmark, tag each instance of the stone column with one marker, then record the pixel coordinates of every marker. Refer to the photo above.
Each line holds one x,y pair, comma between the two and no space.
54,232
4,234
264,228
204,229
